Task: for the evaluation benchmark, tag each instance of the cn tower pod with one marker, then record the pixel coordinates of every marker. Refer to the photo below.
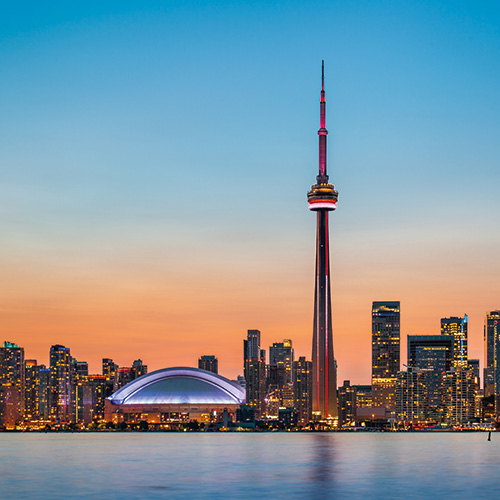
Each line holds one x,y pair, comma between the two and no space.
322,197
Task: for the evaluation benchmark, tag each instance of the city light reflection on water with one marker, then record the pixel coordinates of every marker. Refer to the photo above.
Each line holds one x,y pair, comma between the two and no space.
267,465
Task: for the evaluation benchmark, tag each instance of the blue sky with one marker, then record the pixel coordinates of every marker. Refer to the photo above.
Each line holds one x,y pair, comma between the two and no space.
175,141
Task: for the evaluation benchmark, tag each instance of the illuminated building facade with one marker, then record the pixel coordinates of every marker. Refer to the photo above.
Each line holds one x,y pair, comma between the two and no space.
347,403
281,355
411,396
458,327
255,376
385,352
459,395
110,371
302,390
432,355
209,363
492,353
140,368
32,390
60,383
322,199
12,373
44,392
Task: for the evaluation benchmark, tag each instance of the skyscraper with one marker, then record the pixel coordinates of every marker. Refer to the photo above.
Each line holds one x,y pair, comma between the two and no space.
281,355
255,372
209,363
12,373
491,359
458,328
251,345
302,390
60,383
32,391
385,352
432,355
322,199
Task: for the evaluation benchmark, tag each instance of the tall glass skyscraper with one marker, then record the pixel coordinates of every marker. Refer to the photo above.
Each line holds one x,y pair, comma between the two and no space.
385,352
458,327
492,353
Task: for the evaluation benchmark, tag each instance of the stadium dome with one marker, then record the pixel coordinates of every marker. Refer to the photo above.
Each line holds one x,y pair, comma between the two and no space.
180,385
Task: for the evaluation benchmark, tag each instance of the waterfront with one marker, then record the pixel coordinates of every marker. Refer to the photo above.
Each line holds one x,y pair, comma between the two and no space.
267,465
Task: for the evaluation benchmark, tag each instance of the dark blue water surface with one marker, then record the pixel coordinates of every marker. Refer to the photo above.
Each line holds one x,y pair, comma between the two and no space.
268,465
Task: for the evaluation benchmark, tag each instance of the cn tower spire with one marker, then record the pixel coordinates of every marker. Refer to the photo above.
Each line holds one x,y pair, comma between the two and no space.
322,199
322,132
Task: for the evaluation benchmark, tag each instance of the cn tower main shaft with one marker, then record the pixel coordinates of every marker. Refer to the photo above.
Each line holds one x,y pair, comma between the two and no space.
322,199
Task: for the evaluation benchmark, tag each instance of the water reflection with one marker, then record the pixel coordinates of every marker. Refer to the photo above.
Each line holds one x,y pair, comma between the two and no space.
323,465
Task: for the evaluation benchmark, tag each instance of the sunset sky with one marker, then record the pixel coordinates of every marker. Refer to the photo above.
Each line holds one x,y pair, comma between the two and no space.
155,159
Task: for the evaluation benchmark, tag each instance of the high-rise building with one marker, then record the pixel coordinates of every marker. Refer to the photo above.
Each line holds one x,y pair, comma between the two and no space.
491,372
347,403
385,352
459,395
98,384
411,396
432,355
255,376
110,371
44,392
281,355
322,198
140,368
12,374
209,363
302,390
458,328
60,383
251,346
32,390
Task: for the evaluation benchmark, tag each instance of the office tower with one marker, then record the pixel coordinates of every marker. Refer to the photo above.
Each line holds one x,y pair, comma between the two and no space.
474,366
209,363
302,390
364,396
110,371
251,345
459,395
60,383
385,352
491,372
99,385
140,368
32,390
44,392
322,198
255,376
458,328
10,416
347,403
432,355
254,367
81,369
12,373
276,377
124,376
83,402
411,396
281,355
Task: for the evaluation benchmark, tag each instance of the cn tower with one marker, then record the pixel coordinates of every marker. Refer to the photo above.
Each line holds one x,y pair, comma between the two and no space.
322,199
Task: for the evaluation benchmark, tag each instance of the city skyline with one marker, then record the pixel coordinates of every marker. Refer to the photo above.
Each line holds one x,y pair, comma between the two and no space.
119,233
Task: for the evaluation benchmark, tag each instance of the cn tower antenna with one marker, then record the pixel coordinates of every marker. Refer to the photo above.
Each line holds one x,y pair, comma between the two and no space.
323,75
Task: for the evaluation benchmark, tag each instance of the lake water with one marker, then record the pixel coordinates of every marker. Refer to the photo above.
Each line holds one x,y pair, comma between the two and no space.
269,465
